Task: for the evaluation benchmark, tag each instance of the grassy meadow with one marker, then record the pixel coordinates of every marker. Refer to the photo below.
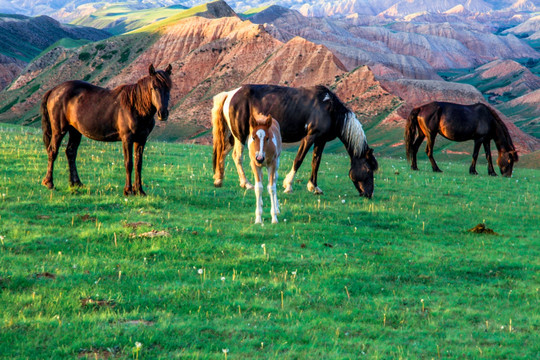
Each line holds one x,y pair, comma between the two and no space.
184,272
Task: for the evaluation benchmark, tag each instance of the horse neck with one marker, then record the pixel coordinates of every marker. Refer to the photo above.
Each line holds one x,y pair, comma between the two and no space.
134,96
502,139
353,137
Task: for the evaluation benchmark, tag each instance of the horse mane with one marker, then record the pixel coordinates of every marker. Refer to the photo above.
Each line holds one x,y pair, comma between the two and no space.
503,129
139,95
352,133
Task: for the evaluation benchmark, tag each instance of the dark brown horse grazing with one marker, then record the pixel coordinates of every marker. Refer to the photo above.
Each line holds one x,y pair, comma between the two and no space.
125,114
457,122
313,115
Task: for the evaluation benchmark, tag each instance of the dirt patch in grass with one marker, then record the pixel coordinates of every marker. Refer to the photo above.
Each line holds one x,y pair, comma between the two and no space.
482,229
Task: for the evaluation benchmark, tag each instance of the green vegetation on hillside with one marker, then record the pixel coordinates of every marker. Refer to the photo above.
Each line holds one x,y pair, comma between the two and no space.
121,18
184,272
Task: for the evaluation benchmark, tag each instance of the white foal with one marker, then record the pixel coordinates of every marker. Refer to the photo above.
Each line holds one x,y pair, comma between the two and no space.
264,144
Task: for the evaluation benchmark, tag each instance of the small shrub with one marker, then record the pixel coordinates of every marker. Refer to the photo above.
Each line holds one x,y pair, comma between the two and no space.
124,56
84,56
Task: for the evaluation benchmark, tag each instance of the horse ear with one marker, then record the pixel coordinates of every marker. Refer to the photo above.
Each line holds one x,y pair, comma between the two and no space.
168,70
151,70
369,153
269,121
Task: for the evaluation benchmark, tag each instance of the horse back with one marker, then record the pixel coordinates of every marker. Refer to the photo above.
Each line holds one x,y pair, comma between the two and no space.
457,122
90,109
293,108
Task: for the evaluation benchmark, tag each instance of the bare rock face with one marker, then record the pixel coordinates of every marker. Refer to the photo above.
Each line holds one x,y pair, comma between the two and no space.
10,68
503,78
299,63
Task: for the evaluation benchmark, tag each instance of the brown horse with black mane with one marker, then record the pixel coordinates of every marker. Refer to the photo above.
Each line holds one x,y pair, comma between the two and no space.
457,122
125,114
313,115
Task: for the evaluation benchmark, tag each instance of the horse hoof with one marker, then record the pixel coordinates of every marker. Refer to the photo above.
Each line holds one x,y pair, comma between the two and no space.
141,192
258,221
218,183
247,186
415,168
473,172
493,174
288,189
49,184
274,221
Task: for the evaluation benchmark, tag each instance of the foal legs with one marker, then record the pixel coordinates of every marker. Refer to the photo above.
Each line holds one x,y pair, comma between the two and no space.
257,173
52,152
272,180
71,153
487,149
127,146
238,159
139,149
429,152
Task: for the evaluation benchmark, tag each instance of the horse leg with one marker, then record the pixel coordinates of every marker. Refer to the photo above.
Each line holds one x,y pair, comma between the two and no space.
52,152
238,159
416,146
317,155
472,169
139,150
429,152
257,174
127,146
487,148
219,173
272,179
300,155
71,153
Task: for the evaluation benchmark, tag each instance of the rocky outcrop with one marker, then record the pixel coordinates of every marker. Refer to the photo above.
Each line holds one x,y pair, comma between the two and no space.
10,68
502,78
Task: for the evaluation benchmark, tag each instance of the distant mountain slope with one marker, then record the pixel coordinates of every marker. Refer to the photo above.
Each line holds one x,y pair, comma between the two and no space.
524,111
118,19
22,38
25,37
502,80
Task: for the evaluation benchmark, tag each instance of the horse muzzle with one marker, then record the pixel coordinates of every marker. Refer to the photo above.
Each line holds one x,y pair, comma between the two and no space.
364,193
259,158
163,115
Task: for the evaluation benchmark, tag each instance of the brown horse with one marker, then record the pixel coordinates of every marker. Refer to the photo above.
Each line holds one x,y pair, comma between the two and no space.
457,122
264,145
125,114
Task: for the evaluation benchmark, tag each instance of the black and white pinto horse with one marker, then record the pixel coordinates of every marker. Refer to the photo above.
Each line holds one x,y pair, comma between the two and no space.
311,115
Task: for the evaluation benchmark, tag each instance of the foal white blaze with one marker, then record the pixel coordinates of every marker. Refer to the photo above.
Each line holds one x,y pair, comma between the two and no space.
264,145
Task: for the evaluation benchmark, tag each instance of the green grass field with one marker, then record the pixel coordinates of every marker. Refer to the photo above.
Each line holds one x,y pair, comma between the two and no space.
184,271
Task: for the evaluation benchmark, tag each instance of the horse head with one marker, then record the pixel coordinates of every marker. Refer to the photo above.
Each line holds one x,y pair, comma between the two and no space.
506,162
259,131
361,173
161,87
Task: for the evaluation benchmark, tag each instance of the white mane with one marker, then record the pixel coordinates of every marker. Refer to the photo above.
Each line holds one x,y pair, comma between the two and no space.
353,134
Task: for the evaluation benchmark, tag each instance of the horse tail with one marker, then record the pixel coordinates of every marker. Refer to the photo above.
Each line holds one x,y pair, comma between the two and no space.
410,131
218,128
504,132
45,120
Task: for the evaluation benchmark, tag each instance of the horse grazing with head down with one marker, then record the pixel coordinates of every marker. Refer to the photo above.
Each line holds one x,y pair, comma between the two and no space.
125,114
457,122
313,115
264,146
